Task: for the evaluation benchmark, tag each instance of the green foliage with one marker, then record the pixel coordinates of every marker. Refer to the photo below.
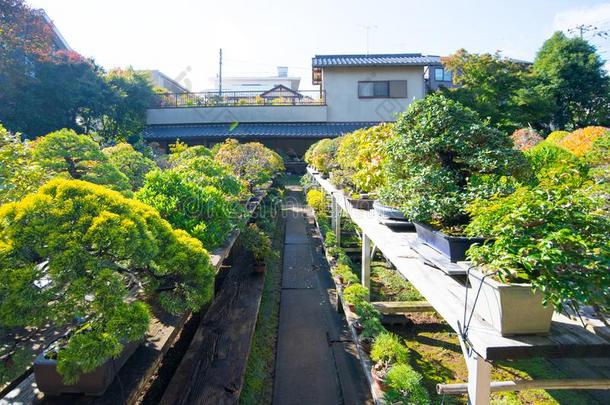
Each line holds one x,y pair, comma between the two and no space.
257,242
504,91
75,249
388,349
345,272
251,161
355,294
555,235
573,74
79,157
546,155
361,155
19,173
130,162
205,171
182,153
598,158
201,211
557,136
405,386
443,157
317,200
322,155
372,327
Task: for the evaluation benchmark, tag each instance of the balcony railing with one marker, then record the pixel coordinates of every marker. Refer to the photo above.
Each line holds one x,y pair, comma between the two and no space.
274,97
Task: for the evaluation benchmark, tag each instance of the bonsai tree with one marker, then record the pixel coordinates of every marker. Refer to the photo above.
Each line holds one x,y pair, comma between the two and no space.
322,155
251,161
130,162
355,294
317,200
19,173
388,351
526,138
78,157
554,235
78,250
405,386
257,242
205,171
361,155
203,212
444,156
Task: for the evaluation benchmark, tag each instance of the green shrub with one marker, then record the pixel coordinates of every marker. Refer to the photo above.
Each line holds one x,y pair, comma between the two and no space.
365,310
546,155
205,171
257,242
557,136
252,162
343,270
204,212
130,162
19,173
372,328
555,235
355,294
440,150
405,386
322,155
598,158
316,199
79,157
73,248
388,349
361,156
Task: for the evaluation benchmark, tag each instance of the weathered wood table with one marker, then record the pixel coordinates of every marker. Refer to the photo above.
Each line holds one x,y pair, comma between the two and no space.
443,285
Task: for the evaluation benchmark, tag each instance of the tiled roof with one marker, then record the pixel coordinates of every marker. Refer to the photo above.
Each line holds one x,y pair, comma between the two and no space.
398,59
254,130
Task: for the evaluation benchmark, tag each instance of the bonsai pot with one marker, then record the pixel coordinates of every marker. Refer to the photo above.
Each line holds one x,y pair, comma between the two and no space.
453,247
362,203
378,372
385,212
359,327
351,307
260,268
93,383
324,175
511,309
366,344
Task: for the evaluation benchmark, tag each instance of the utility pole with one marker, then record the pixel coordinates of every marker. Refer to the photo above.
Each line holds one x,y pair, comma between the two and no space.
220,73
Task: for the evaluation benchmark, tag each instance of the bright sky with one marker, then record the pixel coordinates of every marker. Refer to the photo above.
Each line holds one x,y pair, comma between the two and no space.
182,37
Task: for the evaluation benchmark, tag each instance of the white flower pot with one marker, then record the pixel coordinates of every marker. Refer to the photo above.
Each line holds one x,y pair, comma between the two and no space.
511,309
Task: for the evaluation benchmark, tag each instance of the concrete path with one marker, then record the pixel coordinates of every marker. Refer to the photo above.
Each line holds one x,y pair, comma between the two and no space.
316,360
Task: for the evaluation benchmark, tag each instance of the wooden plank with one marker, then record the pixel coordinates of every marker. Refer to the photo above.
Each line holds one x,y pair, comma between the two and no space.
447,295
402,307
523,385
213,369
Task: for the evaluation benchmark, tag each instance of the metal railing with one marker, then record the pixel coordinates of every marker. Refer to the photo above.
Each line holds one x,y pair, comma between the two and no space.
276,97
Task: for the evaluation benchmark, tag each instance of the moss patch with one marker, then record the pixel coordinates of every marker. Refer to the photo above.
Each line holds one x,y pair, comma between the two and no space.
388,285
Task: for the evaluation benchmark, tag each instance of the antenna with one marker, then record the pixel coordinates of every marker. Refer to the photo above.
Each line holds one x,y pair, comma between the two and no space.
583,29
367,29
220,72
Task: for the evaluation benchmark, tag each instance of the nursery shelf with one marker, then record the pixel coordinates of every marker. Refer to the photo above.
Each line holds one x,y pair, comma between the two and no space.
442,284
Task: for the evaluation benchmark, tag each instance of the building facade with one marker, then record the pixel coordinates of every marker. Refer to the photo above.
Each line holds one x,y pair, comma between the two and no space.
355,91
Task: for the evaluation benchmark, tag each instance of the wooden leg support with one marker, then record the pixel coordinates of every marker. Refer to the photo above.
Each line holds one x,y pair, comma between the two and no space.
479,377
366,261
336,219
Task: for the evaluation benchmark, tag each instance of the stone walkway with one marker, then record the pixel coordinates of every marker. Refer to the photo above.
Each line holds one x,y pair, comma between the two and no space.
317,362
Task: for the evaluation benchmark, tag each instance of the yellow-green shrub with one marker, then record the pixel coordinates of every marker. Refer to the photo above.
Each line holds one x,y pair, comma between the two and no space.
317,200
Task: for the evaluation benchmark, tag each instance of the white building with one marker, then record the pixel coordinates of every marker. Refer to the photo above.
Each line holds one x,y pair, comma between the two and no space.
257,83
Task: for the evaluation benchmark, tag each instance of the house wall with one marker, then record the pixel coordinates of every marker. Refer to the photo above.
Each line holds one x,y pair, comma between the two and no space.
341,85
207,115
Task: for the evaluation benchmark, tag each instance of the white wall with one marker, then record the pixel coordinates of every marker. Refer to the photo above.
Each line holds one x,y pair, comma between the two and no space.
341,85
208,115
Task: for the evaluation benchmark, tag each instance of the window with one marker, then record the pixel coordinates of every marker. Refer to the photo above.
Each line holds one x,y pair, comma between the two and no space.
382,89
442,75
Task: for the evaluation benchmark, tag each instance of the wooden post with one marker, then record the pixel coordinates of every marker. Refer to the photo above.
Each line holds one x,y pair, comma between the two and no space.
366,261
336,219
479,377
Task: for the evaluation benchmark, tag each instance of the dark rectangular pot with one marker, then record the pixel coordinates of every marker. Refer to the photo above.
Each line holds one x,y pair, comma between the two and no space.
453,247
386,212
93,383
361,203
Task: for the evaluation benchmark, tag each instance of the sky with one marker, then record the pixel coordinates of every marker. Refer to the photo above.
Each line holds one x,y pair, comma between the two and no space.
182,37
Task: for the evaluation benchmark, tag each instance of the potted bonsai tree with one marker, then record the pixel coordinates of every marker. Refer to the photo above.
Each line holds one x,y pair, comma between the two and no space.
360,157
443,156
76,250
256,241
551,244
387,351
354,294
322,156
